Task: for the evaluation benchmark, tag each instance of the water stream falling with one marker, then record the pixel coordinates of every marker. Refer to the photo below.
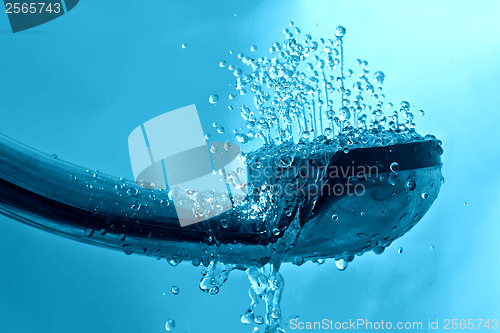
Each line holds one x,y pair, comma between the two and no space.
302,103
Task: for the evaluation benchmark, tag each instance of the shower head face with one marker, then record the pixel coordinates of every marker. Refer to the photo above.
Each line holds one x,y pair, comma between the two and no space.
357,200
97,209
343,226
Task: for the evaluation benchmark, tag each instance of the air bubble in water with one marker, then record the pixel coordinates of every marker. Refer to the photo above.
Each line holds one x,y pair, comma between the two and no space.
425,195
400,250
253,48
394,166
335,217
175,290
184,45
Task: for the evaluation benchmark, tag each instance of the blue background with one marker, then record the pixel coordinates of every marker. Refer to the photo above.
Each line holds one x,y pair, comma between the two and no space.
77,86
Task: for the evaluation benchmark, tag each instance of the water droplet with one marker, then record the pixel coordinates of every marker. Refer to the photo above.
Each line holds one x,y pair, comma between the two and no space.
432,247
421,113
410,184
465,203
393,178
222,64
214,290
132,191
298,261
89,232
341,264
170,325
253,48
379,250
184,45
400,250
224,223
439,150
276,231
425,195
379,77
128,249
136,206
286,161
213,99
175,290
340,31
394,166
54,156
246,318
220,130
335,217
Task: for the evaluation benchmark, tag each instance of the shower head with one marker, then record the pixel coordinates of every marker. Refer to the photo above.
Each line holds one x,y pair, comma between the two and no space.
94,208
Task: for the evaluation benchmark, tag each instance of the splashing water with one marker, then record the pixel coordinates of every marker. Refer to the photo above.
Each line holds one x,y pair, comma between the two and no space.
304,103
303,94
308,110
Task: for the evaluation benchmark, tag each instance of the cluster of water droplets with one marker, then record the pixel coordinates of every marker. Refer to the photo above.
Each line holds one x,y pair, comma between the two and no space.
302,93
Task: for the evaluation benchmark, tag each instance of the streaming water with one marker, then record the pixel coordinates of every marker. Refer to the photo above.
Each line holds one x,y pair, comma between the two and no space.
301,102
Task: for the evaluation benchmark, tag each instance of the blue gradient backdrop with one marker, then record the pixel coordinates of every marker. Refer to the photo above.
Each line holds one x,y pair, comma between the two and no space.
77,86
